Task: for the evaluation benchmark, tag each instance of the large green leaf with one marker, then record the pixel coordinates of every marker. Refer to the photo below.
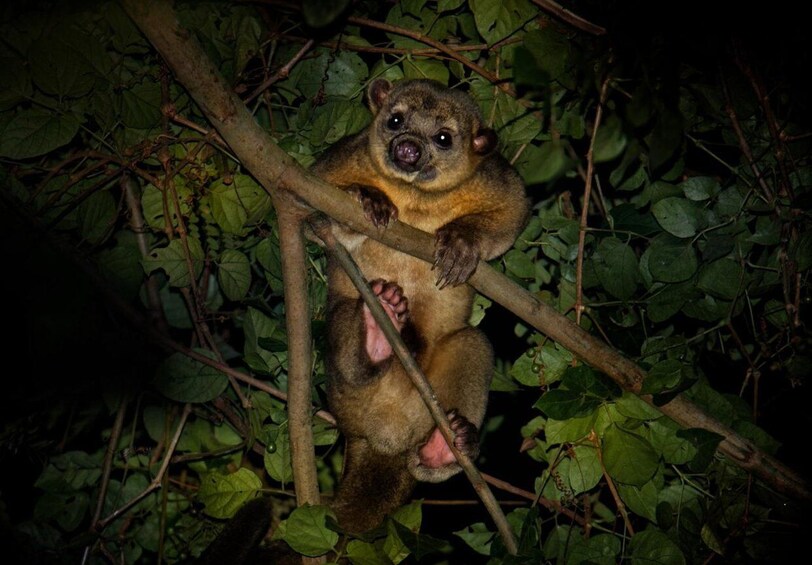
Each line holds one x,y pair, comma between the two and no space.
628,457
234,274
173,260
223,495
238,204
671,260
616,266
306,530
722,279
653,547
497,20
36,131
677,216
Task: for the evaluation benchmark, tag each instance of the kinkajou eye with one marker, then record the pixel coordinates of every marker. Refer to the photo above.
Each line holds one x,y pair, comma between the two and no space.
443,140
395,121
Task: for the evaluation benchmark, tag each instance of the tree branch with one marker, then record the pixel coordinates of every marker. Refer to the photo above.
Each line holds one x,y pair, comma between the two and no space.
297,319
274,169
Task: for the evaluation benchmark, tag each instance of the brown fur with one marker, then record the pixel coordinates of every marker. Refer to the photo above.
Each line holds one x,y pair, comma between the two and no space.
474,202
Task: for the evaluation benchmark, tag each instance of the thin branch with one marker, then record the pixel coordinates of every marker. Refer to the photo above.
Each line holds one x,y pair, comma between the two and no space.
109,456
763,97
156,482
282,73
582,226
565,15
743,145
321,226
553,505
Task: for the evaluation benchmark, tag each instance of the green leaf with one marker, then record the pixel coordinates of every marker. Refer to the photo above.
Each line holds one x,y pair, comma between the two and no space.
152,203
497,20
700,188
184,379
425,68
705,443
97,216
722,278
307,533
653,547
632,406
674,449
141,105
321,13
616,266
35,131
565,431
172,259
677,216
410,515
542,164
669,300
234,274
258,326
478,537
708,309
610,140
520,264
560,404
419,544
238,205
60,65
671,260
584,469
602,549
68,509
663,376
277,461
337,118
641,500
800,251
223,495
363,553
551,50
628,457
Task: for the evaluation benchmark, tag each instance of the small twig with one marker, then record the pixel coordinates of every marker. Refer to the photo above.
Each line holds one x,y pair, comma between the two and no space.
321,226
565,15
156,482
743,145
109,456
282,73
553,505
590,171
772,123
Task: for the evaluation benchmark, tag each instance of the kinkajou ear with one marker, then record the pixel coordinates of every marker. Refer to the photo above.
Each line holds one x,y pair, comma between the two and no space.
377,93
484,141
